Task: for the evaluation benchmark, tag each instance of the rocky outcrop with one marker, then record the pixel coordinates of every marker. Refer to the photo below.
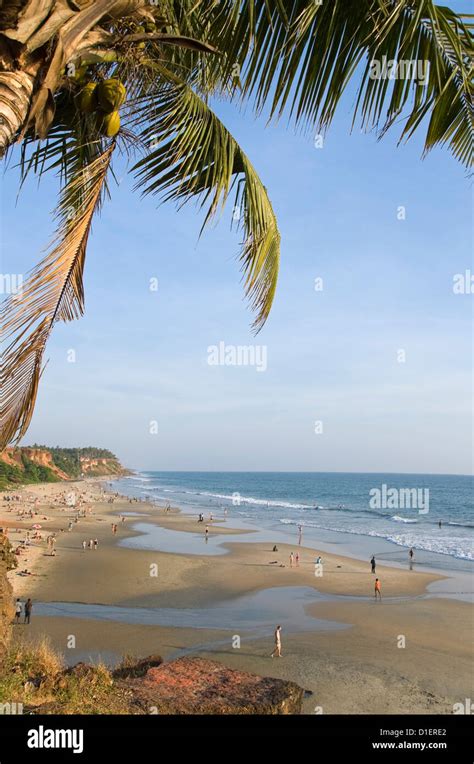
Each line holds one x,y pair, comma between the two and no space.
149,686
100,467
200,686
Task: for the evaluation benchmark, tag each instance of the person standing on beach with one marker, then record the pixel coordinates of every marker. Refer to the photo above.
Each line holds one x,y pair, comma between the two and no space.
291,559
18,608
277,648
96,544
297,559
300,534
84,545
377,590
28,609
411,554
372,562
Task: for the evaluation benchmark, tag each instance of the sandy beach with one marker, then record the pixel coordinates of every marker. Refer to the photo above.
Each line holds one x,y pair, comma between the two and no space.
407,654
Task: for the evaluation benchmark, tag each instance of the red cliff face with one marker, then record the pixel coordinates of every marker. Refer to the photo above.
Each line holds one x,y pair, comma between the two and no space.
45,459
100,466
90,466
12,456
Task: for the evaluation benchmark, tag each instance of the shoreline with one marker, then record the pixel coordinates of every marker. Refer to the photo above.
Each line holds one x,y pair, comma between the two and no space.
364,652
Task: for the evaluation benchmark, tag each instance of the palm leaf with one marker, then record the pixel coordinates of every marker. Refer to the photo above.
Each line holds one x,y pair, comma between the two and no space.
193,155
53,292
300,58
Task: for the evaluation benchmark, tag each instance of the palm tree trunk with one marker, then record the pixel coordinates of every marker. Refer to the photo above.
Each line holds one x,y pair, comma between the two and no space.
16,90
17,84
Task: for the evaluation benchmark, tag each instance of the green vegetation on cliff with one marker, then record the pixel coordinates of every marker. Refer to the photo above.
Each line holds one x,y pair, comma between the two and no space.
41,464
11,475
68,460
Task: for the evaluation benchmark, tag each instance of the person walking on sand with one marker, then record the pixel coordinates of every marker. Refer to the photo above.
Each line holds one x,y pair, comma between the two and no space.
297,560
372,562
377,590
28,609
18,608
277,648
84,545
291,559
96,544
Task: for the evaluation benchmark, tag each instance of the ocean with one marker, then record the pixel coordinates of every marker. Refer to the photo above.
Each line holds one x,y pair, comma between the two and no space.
349,513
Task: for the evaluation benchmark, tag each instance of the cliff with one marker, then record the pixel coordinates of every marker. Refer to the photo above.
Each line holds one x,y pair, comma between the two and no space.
6,599
42,464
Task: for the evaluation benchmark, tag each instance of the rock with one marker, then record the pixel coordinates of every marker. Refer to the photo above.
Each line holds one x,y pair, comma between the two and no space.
200,686
139,668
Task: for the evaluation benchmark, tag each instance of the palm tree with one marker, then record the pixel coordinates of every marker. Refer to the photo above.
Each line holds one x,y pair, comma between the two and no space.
173,57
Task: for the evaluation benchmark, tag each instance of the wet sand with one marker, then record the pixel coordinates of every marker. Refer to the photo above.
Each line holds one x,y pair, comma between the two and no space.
362,668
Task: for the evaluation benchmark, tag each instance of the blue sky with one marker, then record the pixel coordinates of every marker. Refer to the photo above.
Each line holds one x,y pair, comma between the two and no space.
332,354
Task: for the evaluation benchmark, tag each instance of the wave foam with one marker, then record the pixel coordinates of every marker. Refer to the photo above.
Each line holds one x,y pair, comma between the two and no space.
455,547
399,519
258,502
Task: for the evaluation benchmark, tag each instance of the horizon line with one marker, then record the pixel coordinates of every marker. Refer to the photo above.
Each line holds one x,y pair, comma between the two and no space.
311,472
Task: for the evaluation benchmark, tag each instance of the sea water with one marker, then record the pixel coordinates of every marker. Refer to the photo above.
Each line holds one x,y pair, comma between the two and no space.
381,514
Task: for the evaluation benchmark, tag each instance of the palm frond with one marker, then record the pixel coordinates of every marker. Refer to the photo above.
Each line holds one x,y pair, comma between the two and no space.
300,58
193,155
52,292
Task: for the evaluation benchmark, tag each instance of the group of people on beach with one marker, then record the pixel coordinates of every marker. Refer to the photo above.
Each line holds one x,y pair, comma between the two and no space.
28,607
93,544
377,587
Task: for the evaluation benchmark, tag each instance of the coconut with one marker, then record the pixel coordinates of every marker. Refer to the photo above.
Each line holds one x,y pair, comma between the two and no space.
108,124
110,95
88,98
